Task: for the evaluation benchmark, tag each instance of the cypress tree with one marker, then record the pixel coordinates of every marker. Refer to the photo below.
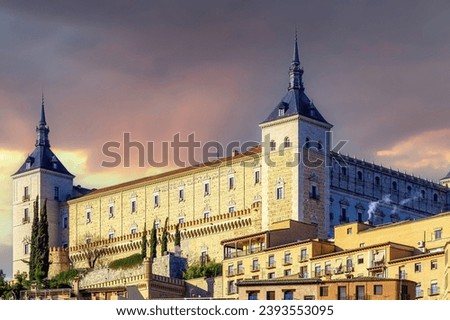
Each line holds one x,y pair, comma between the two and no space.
153,242
177,235
144,243
42,271
164,238
34,251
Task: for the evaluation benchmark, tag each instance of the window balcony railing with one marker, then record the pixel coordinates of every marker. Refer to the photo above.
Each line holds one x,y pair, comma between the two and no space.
349,269
240,271
255,267
25,197
303,258
230,273
433,291
287,261
271,265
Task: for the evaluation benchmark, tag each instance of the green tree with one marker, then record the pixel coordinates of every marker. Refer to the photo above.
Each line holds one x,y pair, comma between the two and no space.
3,284
153,242
41,271
164,238
34,252
177,235
144,243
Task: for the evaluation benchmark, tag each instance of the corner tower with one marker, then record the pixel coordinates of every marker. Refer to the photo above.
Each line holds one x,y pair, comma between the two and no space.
43,175
294,175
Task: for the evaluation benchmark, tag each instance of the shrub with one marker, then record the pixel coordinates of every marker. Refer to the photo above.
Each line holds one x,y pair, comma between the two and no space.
126,263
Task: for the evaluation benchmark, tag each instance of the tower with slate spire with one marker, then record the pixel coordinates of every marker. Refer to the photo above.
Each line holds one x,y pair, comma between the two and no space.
43,175
294,174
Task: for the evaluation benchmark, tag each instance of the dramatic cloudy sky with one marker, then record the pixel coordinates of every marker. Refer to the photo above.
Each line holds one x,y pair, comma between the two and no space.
378,70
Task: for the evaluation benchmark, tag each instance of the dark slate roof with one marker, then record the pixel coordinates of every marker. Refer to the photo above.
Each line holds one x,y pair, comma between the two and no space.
296,102
44,158
447,176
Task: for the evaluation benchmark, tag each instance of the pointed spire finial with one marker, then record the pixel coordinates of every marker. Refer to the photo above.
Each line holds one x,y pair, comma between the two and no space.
43,110
295,71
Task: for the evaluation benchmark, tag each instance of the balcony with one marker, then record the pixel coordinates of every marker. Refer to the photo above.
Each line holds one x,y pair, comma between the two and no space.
433,291
25,198
303,275
240,271
287,261
303,258
349,269
232,290
271,265
255,267
230,273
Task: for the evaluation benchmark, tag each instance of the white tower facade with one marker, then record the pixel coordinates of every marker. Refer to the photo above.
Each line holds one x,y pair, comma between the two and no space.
43,175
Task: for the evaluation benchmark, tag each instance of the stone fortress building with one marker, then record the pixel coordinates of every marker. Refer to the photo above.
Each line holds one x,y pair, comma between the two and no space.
291,175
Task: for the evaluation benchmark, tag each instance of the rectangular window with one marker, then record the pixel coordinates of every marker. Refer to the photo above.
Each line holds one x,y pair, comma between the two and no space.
271,275
303,255
434,289
317,271
438,234
206,215
230,183
133,231
324,291
181,220
288,295
418,267
88,216
26,216
230,271
257,176
133,206
111,211
231,209
280,193
314,194
327,268
360,259
287,272
231,287
434,264
253,295
287,258
240,267
181,195
156,201
56,193
255,265
349,230
378,289
206,187
271,262
270,295
111,235
26,192
65,222
26,248
342,293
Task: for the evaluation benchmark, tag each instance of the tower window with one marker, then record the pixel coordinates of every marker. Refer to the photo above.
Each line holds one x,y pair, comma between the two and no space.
344,171
65,222
26,216
181,195
273,145
231,182
394,185
206,214
281,111
88,216
231,209
280,193
111,211
207,188
287,142
133,230
257,176
26,248
377,181
156,201
435,197
133,206
111,235
307,144
181,220
56,193
26,193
